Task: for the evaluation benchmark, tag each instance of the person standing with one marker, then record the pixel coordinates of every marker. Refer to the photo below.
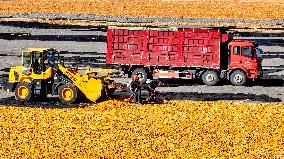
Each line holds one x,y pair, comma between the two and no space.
136,88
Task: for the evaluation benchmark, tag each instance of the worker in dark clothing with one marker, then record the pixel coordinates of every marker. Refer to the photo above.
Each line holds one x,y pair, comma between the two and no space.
135,87
36,66
152,85
105,90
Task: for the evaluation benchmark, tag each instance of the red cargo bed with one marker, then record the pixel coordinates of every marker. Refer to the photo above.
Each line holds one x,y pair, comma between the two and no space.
181,48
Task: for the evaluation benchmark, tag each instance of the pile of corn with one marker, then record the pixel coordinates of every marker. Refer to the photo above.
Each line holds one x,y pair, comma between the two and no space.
115,129
218,9
233,9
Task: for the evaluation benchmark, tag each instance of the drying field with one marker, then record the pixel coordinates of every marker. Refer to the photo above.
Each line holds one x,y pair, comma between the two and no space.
174,129
239,13
114,129
232,9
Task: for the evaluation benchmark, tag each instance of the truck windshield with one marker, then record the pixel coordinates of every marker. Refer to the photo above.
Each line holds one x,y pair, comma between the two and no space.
247,51
26,58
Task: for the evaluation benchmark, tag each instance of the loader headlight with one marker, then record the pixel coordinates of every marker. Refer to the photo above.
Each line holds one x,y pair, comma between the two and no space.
26,71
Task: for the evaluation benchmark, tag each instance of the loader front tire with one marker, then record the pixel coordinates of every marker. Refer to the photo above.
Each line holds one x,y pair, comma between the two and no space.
67,93
23,92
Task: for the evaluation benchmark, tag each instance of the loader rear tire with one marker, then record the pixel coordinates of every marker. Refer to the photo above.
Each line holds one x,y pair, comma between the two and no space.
23,92
67,93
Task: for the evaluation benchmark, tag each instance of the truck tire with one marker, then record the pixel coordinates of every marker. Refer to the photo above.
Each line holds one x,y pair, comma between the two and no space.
23,92
142,74
210,78
238,78
67,93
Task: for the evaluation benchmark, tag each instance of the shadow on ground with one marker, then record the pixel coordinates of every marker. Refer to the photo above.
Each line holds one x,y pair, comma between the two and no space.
46,103
218,96
194,96
184,82
271,82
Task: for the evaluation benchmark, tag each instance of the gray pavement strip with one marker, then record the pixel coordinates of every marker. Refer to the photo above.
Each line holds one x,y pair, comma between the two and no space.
131,19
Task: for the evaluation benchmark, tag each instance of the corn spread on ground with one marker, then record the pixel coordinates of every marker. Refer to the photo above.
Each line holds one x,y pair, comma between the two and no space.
115,129
256,14
233,9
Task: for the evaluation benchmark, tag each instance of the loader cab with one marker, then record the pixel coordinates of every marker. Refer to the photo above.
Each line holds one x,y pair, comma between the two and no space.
244,56
38,60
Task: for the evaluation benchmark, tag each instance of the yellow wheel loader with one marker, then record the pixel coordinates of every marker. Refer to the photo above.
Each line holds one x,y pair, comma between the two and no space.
42,74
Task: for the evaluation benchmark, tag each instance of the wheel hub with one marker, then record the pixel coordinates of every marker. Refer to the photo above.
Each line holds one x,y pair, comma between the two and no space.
67,94
238,78
23,91
140,75
210,78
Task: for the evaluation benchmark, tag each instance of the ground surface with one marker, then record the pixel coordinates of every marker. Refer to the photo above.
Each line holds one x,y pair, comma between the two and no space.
199,124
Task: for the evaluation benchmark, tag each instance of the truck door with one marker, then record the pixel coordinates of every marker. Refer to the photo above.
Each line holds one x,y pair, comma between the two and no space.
248,58
235,57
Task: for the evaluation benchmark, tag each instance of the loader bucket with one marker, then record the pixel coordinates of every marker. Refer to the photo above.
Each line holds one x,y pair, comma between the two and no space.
93,89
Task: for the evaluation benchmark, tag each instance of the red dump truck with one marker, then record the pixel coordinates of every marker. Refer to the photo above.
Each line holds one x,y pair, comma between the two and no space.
207,54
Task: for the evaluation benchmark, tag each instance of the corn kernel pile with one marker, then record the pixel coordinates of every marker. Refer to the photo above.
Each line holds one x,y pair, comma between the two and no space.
233,9
115,129
218,9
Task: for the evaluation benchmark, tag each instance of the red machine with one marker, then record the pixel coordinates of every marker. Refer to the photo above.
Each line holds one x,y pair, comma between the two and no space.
208,54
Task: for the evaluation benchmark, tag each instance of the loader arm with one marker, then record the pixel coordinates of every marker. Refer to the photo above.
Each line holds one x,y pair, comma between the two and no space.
101,71
91,88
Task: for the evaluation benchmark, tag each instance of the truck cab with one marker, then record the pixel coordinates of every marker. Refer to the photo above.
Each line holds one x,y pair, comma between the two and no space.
244,61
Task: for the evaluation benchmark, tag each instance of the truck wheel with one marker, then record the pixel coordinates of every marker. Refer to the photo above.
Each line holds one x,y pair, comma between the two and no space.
238,78
141,73
23,92
210,78
67,93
